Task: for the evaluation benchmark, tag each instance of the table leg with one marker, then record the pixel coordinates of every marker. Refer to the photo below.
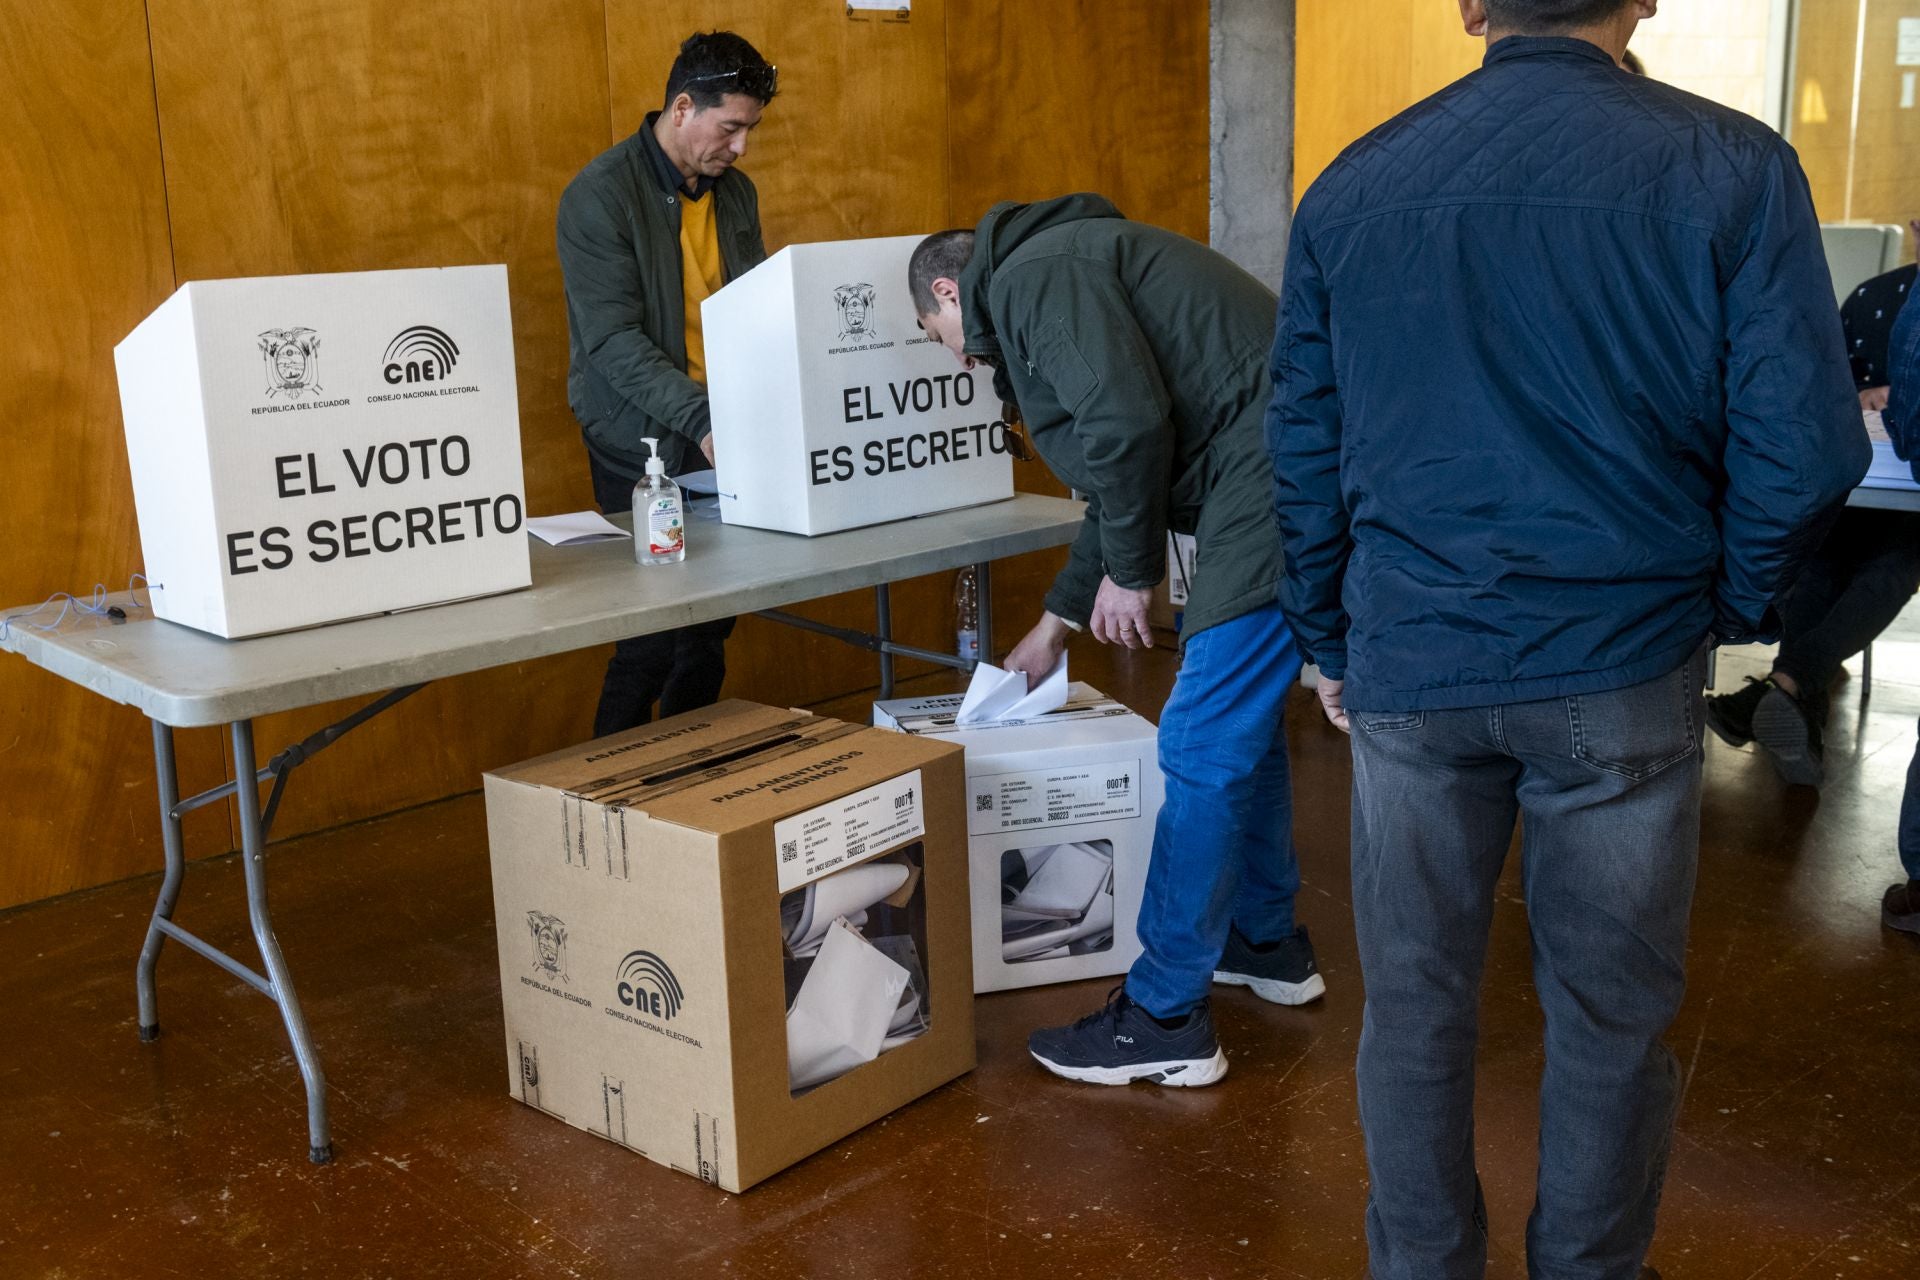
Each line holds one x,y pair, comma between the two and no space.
253,855
883,624
172,841
983,581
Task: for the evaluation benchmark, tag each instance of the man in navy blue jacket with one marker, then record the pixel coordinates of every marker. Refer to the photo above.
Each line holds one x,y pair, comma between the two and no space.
1900,908
1560,397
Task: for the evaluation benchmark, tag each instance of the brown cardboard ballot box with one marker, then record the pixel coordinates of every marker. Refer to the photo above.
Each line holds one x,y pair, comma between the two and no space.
733,937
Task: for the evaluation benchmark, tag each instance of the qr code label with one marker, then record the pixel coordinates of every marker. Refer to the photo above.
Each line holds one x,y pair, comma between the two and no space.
789,850
983,803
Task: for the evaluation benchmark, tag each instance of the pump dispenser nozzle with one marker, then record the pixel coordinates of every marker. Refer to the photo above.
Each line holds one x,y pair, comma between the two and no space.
655,467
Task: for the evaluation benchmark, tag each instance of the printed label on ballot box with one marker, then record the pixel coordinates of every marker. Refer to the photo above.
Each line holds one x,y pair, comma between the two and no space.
1053,797
842,832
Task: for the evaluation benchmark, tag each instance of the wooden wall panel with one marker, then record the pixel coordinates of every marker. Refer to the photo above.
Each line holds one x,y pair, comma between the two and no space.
1360,63
82,201
1886,181
1441,50
1820,98
1878,159
361,135
1081,95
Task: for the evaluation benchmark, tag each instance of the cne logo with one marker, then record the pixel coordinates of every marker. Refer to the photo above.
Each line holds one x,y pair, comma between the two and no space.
292,358
420,354
647,985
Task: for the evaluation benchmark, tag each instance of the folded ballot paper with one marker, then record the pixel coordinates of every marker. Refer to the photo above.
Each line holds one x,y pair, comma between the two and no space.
999,696
856,988
844,1010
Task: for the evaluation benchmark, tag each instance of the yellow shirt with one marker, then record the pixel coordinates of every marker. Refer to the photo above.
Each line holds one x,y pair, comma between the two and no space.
701,274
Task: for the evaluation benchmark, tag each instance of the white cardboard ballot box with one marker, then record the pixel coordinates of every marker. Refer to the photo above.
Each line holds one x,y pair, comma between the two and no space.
312,448
831,409
1060,818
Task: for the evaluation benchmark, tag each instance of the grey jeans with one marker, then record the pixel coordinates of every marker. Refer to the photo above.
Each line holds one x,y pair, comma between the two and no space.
1607,790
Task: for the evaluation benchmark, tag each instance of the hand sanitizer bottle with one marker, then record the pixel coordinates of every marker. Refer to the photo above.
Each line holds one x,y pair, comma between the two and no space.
659,517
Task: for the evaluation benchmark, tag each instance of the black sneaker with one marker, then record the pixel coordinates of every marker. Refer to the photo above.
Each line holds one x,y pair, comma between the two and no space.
1790,736
1900,909
1730,715
1120,1043
1283,972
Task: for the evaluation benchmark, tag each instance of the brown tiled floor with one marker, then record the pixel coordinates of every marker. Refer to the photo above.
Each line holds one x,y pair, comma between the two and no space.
1798,1153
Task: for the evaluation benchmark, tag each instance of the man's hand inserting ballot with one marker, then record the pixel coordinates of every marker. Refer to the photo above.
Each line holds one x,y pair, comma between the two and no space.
1039,649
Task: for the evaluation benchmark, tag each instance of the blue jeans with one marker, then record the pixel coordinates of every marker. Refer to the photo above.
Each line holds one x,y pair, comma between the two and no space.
1608,787
1910,820
1223,846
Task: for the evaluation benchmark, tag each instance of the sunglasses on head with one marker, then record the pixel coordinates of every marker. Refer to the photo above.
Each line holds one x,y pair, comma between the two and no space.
757,82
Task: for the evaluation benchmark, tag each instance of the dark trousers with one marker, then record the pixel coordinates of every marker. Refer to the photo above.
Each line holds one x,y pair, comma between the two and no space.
681,669
1606,788
1863,575
1910,820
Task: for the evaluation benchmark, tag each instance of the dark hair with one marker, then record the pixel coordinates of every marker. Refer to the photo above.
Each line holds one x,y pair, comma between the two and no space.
942,255
713,64
1546,17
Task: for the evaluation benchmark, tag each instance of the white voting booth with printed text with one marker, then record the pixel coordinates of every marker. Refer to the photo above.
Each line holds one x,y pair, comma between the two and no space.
307,449
831,410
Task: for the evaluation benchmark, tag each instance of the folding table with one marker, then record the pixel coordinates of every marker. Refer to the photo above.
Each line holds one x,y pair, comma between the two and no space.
581,596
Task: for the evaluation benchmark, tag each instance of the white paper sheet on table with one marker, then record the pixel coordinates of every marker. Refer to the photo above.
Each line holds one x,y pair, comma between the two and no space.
1002,695
575,528
842,1013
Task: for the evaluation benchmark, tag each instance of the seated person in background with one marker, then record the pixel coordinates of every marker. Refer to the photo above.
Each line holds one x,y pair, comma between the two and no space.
1900,908
1855,585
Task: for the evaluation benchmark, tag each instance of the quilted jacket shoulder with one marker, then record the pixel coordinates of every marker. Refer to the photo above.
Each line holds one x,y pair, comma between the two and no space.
1559,387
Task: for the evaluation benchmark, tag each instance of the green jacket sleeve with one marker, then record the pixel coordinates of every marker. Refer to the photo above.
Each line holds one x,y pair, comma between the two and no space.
1089,349
607,293
1079,581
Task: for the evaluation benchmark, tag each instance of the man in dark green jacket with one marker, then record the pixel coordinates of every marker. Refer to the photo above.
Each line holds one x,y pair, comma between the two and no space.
1139,361
646,231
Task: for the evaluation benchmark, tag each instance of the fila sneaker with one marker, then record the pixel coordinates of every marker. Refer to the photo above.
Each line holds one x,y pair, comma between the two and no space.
1120,1043
1283,972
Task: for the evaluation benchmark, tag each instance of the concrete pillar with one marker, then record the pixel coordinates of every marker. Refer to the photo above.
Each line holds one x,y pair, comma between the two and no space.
1251,131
